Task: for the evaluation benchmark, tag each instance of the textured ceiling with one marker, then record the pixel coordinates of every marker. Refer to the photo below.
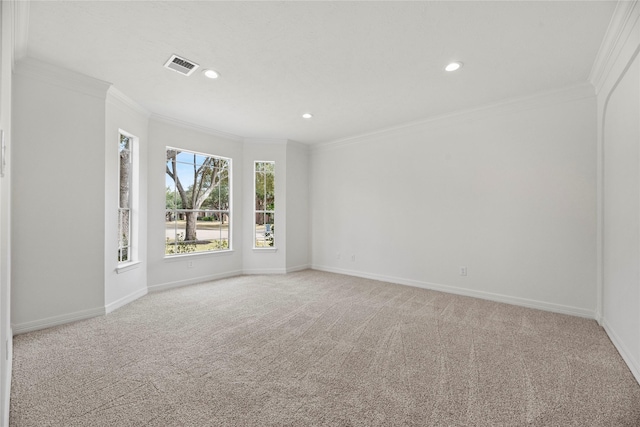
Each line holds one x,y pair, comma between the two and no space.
357,66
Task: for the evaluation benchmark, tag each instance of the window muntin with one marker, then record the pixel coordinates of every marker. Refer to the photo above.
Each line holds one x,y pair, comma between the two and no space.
198,202
125,176
264,184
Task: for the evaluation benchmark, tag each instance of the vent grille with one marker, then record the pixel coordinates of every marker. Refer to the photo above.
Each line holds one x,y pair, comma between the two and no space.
181,65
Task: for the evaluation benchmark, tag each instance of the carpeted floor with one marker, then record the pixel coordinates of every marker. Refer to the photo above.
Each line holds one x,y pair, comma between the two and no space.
314,348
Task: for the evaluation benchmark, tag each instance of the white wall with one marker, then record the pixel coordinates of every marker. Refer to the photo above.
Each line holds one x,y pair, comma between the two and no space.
165,272
507,191
58,199
125,284
265,260
6,51
291,251
297,198
619,144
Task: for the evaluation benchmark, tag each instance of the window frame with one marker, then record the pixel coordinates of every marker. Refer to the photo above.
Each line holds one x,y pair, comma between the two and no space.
256,211
206,211
132,242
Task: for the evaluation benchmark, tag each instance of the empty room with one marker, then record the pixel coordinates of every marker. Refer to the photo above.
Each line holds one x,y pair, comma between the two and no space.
323,213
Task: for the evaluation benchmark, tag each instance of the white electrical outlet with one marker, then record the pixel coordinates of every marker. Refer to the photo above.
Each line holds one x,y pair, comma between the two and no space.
338,255
190,264
353,258
463,271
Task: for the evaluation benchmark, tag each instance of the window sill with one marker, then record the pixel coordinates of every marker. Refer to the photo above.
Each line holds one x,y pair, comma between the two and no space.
182,257
265,249
127,266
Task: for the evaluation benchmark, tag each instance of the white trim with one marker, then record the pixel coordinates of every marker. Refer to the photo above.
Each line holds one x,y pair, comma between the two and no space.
119,99
254,271
298,268
127,266
184,257
49,322
125,300
263,141
614,60
6,387
523,302
193,281
191,126
614,39
508,106
264,211
627,355
64,78
20,29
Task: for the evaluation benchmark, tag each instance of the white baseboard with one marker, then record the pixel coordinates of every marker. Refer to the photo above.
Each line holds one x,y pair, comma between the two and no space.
298,268
523,302
254,271
193,281
6,386
125,300
48,322
276,270
627,356
599,318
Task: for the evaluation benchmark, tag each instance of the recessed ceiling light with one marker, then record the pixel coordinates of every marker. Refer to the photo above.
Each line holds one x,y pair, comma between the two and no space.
212,74
307,115
453,66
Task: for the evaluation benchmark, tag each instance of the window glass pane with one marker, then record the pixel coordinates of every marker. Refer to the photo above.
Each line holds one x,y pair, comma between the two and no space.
123,254
259,231
224,194
259,184
173,199
124,168
175,235
123,228
264,181
125,180
190,158
200,214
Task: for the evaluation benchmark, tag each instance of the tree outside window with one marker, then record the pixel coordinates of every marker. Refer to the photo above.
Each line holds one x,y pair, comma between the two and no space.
125,149
264,180
198,209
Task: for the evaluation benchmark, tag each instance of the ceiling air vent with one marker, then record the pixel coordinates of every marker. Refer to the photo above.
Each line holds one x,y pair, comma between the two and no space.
181,65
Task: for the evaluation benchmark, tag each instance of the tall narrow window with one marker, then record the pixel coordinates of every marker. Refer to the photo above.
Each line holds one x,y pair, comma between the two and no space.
125,149
198,206
264,182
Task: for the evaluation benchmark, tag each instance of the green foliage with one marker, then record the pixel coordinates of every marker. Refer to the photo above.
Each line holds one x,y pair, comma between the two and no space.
220,244
173,200
206,218
269,236
265,186
179,247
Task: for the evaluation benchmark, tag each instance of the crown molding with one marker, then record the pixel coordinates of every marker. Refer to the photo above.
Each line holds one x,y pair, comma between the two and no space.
191,126
20,17
263,141
62,77
116,95
508,106
620,26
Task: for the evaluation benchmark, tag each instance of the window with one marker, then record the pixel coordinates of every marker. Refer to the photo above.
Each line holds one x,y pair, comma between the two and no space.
198,206
265,204
125,172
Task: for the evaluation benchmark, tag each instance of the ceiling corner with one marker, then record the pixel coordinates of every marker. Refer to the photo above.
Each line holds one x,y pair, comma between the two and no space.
611,42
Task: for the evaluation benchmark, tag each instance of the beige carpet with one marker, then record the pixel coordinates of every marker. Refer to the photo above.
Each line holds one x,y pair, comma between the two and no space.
313,348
